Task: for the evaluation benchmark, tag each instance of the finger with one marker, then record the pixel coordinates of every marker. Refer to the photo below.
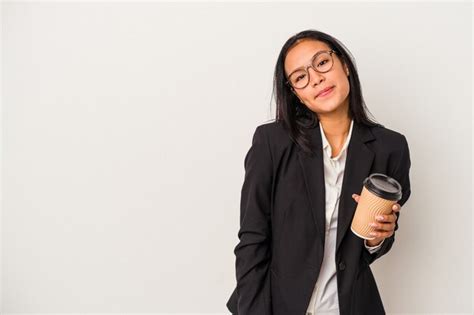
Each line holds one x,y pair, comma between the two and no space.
356,197
381,234
389,227
383,227
382,218
394,217
386,218
396,207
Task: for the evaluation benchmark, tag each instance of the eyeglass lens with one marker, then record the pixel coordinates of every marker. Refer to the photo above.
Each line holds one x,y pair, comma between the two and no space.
322,63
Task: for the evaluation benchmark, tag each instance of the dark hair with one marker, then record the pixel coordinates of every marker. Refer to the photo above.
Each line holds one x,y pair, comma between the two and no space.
294,115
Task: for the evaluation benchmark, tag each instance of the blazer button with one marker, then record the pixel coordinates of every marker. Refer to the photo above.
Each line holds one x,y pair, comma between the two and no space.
342,266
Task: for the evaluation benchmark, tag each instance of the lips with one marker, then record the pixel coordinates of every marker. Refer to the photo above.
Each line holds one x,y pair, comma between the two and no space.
325,90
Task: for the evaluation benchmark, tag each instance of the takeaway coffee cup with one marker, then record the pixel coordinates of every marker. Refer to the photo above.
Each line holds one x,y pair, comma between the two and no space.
379,193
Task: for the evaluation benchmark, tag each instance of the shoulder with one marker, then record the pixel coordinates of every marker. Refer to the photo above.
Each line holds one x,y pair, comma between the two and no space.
389,138
392,146
270,126
274,132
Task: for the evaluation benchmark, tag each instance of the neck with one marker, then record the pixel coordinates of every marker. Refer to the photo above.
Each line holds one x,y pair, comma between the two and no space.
336,125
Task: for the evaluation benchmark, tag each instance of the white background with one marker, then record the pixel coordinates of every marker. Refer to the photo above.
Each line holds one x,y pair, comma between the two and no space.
125,126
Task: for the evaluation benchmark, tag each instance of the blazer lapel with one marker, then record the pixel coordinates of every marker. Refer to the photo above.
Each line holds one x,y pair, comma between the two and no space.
358,164
312,167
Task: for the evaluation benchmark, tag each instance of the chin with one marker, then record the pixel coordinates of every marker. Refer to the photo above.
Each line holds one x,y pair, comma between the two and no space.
327,107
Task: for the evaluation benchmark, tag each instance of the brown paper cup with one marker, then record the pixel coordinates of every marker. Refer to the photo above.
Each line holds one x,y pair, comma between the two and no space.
379,194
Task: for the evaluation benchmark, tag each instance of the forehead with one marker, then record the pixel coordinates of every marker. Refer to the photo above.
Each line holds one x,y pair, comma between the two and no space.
301,54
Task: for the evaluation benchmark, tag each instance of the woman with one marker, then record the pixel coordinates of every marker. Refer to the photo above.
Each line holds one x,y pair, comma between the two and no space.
303,173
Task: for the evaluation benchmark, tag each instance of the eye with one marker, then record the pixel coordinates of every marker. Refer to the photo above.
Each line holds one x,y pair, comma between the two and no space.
300,77
321,63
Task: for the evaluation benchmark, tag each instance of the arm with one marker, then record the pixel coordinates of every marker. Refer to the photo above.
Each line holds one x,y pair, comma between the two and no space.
253,253
401,174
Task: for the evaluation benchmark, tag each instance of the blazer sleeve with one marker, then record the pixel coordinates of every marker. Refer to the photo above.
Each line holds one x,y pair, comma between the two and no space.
253,253
401,172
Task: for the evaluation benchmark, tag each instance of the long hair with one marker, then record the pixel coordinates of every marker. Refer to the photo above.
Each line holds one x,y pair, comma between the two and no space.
294,115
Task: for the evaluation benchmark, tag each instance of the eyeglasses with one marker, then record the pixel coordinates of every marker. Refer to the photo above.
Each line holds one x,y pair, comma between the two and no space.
321,62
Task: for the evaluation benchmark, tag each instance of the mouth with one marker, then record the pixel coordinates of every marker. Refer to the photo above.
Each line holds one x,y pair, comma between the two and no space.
325,92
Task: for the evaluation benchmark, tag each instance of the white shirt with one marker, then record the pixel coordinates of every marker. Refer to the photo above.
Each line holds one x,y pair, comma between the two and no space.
324,299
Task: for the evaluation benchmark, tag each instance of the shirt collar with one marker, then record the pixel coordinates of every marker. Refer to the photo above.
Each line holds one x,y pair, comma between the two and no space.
326,142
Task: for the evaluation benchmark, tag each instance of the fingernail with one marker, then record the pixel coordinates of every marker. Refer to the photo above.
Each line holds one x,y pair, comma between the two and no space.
379,217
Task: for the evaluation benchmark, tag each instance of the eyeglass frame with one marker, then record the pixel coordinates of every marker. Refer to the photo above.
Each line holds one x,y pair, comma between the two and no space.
311,66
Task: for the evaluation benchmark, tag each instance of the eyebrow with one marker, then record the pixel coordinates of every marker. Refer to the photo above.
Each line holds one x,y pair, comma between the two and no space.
302,67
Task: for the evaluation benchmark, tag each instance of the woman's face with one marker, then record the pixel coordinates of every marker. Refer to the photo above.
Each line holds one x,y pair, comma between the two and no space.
300,55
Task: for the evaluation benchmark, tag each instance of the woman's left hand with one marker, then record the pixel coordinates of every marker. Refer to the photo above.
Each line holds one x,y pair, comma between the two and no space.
384,226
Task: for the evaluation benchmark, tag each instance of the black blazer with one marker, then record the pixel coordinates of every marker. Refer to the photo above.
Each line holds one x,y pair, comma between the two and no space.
282,221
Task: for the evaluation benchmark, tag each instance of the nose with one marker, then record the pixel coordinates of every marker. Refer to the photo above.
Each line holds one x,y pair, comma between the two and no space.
314,76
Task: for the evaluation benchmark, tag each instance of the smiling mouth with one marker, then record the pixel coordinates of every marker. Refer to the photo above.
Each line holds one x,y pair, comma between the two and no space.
326,92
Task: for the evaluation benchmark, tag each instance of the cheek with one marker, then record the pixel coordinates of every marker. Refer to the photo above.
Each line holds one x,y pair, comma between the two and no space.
306,96
344,88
